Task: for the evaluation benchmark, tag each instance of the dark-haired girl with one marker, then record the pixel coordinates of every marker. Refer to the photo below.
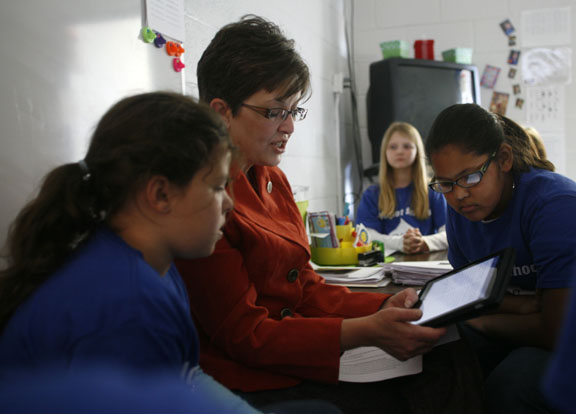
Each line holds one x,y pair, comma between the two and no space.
90,276
502,195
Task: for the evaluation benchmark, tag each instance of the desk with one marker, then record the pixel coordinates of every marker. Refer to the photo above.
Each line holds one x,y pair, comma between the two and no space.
401,257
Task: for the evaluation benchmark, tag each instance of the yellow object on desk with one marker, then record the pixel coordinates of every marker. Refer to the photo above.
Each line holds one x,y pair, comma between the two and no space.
345,255
344,233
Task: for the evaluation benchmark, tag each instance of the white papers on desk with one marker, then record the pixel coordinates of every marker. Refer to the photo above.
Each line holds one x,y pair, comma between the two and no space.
354,276
418,273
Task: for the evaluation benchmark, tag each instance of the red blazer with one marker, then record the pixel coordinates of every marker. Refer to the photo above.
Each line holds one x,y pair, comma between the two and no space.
265,318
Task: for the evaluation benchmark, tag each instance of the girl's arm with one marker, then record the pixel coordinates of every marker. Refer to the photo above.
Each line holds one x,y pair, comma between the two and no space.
437,241
414,242
539,328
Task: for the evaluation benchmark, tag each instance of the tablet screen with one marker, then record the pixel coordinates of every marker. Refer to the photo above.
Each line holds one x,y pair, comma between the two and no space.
458,290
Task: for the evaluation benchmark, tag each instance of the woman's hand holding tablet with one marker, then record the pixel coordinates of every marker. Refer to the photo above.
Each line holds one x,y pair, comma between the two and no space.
466,292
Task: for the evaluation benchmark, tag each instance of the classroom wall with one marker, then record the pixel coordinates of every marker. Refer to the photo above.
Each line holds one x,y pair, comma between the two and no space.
62,64
39,75
311,158
462,23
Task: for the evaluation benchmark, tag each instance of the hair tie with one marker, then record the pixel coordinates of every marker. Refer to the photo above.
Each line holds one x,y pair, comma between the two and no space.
85,170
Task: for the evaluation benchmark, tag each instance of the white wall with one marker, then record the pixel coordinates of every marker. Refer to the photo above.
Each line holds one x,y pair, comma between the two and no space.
317,27
457,23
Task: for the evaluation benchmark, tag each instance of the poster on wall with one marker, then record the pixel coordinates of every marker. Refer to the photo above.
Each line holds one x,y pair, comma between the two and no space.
544,66
489,76
545,107
545,27
166,17
545,112
555,149
499,103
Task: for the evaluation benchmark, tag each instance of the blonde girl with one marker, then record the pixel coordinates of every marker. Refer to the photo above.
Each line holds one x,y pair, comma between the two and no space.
399,210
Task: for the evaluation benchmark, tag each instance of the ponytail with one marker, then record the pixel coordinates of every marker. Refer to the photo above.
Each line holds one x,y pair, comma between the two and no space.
525,155
475,130
158,133
44,233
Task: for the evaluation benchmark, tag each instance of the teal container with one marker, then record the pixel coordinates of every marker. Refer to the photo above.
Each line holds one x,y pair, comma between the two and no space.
458,55
395,48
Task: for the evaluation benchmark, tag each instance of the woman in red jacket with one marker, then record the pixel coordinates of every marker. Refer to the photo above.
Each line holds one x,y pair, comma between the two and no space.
266,319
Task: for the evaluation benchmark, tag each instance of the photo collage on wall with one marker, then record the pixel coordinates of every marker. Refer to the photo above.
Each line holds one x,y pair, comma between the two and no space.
499,101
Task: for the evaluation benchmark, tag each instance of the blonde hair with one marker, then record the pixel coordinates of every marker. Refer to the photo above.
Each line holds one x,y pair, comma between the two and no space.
387,200
536,143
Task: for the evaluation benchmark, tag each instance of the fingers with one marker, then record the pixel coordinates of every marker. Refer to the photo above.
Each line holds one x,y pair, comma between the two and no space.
413,241
413,340
403,314
404,299
412,246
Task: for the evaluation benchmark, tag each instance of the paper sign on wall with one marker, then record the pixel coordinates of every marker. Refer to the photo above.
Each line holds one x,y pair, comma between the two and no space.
544,27
543,66
166,17
545,108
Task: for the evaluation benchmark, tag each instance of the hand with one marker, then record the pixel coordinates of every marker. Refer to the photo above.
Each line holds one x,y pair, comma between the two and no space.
403,299
390,329
413,242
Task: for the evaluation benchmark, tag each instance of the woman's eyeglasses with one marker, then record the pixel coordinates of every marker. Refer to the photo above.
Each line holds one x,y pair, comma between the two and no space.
297,114
466,181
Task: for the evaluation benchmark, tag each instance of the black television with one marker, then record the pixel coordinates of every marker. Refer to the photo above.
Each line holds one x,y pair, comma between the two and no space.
415,91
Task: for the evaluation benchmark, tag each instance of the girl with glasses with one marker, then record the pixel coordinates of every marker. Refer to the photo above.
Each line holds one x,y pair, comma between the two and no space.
399,210
501,194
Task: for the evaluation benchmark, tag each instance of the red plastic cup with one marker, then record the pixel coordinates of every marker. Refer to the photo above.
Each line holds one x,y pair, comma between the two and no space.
424,49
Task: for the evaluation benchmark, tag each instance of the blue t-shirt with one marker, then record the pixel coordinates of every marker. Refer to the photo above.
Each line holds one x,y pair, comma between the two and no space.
538,222
112,389
403,219
559,382
108,304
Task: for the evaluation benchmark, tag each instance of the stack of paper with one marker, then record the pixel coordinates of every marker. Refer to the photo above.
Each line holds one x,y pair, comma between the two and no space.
354,276
418,273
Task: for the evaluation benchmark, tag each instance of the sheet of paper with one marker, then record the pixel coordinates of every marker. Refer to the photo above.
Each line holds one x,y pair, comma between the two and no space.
545,27
554,142
166,17
369,364
545,111
545,108
546,66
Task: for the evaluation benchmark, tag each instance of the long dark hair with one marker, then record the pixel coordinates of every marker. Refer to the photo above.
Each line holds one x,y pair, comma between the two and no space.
475,130
160,133
247,56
